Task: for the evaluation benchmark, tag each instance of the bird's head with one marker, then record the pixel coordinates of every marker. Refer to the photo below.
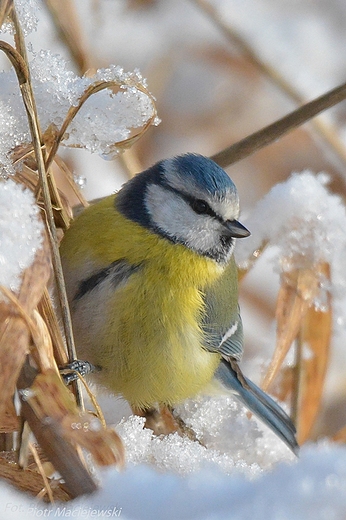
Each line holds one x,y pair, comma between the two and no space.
188,200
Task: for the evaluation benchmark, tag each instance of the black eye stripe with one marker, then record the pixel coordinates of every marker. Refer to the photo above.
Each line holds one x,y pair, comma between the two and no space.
200,206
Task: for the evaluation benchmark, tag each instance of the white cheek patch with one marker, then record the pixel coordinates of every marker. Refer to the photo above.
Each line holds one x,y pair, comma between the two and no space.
168,211
204,234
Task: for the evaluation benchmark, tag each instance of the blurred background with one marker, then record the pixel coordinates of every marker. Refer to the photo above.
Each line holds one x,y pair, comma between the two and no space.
220,70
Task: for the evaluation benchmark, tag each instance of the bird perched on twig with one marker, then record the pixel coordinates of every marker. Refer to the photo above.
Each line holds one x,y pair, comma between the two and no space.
152,284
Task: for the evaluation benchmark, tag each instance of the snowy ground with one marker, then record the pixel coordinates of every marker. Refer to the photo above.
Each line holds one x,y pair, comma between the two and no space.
243,474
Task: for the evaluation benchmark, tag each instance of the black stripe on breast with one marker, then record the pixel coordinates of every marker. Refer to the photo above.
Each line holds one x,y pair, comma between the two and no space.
117,272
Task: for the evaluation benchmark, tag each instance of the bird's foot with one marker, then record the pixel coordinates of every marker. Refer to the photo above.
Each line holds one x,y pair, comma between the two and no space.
163,421
71,371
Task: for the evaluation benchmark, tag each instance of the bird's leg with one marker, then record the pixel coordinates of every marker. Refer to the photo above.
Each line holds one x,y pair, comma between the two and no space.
184,430
162,421
159,419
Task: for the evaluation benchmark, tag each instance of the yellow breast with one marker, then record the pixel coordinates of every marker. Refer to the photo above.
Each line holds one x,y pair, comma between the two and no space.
146,334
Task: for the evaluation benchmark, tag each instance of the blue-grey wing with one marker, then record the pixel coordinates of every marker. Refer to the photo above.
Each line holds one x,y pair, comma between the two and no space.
221,322
227,341
223,333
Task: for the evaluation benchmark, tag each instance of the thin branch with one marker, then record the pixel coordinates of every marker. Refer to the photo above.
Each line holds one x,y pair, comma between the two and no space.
323,129
274,131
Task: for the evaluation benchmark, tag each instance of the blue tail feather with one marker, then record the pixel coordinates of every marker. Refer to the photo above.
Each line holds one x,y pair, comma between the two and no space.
258,402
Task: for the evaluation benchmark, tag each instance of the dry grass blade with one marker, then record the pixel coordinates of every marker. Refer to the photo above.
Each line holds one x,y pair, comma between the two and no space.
5,9
15,337
27,174
30,107
48,407
52,414
299,319
65,18
48,398
46,310
315,336
297,291
39,465
48,434
23,75
29,481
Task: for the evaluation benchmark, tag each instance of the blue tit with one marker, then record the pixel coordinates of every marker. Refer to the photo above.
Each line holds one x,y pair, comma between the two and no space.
153,288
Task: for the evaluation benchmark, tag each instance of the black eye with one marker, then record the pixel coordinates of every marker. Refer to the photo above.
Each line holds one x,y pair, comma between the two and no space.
200,206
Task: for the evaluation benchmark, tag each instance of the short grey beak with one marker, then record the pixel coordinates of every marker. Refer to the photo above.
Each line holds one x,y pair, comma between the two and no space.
236,229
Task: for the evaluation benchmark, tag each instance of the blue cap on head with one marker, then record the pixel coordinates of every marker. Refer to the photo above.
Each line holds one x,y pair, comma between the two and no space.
202,172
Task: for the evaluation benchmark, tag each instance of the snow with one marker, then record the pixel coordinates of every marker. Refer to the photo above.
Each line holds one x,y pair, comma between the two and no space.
20,232
106,118
301,217
312,488
305,224
27,12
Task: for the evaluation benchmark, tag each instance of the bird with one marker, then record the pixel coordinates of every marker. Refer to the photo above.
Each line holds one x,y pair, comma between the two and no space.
152,286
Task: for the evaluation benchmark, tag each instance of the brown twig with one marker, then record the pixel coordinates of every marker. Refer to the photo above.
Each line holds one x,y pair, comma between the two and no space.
57,449
324,130
274,131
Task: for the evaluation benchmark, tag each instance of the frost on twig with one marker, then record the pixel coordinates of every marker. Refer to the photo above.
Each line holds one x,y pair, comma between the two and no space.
109,120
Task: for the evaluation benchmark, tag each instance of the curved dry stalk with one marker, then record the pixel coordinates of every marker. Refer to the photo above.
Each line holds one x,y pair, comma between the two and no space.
91,90
17,62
